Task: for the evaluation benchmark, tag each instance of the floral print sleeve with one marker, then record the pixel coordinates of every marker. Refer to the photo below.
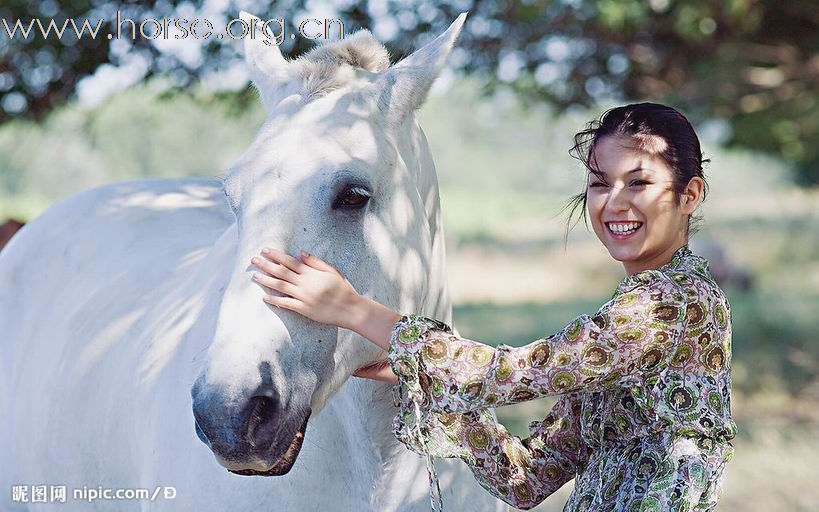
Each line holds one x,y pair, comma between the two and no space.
447,382
521,472
632,335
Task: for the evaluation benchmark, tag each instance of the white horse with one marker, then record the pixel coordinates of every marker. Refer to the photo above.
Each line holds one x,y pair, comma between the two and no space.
137,352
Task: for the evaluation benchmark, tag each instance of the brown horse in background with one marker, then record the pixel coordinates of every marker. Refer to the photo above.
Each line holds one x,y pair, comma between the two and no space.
8,229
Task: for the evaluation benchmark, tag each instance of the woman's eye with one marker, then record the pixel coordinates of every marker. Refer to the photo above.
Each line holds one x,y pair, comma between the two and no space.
352,198
597,184
639,183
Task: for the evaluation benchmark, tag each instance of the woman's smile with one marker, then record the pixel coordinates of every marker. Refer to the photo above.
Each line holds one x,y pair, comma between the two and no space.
623,230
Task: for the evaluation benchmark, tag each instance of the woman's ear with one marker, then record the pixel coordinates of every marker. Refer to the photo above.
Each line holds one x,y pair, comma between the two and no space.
692,195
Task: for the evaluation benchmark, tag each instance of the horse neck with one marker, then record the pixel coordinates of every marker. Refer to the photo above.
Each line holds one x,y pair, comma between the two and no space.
436,304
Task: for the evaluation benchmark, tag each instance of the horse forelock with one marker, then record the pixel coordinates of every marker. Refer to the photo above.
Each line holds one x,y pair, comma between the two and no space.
332,65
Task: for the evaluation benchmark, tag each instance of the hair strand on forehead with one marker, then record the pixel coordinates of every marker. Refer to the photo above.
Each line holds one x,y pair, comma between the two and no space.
649,143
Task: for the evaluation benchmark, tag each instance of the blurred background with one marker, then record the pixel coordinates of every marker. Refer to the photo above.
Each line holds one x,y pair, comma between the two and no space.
80,112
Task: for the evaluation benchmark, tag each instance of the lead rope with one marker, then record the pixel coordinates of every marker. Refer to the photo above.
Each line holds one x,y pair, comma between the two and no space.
431,474
602,458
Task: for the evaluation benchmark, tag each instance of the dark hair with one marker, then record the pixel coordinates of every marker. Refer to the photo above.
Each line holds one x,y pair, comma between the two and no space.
656,129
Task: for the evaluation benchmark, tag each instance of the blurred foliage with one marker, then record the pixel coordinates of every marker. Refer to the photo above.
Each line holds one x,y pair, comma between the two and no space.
142,133
753,63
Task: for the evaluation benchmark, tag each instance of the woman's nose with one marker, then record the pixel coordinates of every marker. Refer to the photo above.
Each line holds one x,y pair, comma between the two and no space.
618,198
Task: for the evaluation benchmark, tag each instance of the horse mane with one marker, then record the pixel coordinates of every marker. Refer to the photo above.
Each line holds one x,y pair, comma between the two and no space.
331,65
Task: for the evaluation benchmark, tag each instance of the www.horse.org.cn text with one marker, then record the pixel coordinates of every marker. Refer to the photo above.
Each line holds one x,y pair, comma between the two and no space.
271,31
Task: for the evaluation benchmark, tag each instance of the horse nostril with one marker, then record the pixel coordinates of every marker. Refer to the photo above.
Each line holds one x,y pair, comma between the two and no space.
261,421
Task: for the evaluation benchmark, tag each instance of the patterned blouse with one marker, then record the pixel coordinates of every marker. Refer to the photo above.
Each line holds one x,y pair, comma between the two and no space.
643,419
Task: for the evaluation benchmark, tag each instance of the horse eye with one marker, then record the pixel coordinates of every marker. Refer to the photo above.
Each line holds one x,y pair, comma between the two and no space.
352,198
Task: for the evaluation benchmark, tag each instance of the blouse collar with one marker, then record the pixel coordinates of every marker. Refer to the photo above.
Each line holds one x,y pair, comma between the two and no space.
682,260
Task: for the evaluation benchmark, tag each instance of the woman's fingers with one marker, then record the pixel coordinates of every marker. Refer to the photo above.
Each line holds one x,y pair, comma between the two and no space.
283,259
317,263
284,302
275,269
380,370
275,284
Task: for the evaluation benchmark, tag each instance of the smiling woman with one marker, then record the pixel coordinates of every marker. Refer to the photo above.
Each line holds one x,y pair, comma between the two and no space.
643,420
644,162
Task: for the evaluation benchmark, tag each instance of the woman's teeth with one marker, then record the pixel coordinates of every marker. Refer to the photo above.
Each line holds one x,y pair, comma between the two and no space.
623,228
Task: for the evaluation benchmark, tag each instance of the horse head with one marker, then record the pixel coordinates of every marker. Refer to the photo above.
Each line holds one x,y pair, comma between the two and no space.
341,169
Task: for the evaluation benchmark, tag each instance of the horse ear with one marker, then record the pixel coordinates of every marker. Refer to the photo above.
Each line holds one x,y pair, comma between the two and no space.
403,88
266,65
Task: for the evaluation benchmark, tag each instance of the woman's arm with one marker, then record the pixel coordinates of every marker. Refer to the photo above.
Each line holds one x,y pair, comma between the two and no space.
634,334
524,472
521,472
637,332
372,320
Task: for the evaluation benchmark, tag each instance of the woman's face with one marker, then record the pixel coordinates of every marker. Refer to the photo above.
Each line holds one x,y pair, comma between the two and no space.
632,206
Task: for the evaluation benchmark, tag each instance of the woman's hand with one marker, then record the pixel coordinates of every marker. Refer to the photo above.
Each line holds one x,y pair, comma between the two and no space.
318,291
311,287
380,370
